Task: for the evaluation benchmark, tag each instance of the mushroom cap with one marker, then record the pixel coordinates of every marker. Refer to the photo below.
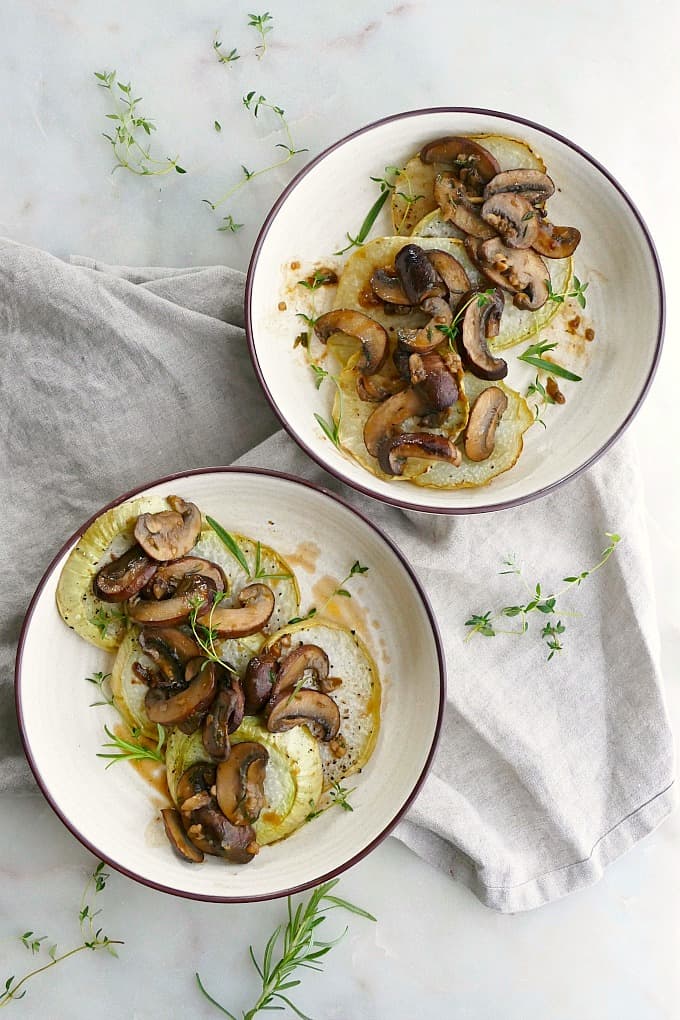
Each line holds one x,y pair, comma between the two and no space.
194,700
174,830
169,672
428,337
388,288
473,163
536,186
555,242
433,379
306,658
169,576
513,217
426,445
376,388
256,605
210,830
418,276
373,336
456,207
125,576
240,782
224,715
259,680
181,645
473,335
194,591
391,413
304,707
169,534
520,271
485,414
451,271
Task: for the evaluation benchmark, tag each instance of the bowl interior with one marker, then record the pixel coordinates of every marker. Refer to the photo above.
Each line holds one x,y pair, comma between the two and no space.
615,257
115,811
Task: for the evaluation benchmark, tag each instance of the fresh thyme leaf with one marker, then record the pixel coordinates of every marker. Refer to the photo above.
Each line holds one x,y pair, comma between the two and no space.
552,296
230,543
228,223
262,24
319,374
217,126
310,320
129,151
301,619
318,279
451,331
481,625
579,291
224,58
103,620
300,947
340,796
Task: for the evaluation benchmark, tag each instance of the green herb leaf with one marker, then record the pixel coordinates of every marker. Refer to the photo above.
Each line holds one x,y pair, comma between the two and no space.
229,543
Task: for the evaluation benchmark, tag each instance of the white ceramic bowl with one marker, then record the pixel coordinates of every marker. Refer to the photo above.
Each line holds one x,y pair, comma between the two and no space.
115,813
616,256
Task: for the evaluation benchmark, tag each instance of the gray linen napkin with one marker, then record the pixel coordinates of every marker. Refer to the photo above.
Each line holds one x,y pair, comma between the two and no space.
545,772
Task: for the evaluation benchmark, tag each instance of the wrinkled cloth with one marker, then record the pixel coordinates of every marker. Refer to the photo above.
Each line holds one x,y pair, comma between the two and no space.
545,772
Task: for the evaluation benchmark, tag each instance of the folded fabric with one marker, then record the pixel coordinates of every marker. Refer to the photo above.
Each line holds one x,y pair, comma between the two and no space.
546,771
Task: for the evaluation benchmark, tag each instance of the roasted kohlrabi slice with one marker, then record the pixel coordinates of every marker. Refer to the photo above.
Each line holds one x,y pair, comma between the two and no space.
101,623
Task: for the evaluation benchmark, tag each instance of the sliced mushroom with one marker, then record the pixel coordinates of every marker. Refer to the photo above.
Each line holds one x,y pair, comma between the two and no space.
432,376
171,533
429,336
192,701
535,186
455,205
303,659
480,322
522,272
169,672
376,388
473,163
426,445
485,414
174,830
169,576
417,274
210,830
391,413
513,217
240,782
181,645
193,789
388,288
224,715
555,242
124,577
373,336
451,271
259,680
195,591
305,707
256,605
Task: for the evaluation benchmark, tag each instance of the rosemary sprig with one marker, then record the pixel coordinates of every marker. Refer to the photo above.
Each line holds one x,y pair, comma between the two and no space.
129,127
386,187
451,331
132,750
538,602
262,24
300,947
93,939
257,573
341,591
254,103
534,356
260,573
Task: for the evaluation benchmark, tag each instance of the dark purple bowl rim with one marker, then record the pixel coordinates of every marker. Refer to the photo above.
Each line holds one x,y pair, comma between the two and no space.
395,500
421,593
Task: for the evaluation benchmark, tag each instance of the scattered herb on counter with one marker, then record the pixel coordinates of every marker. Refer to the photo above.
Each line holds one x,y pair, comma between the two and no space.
551,632
300,948
14,988
217,126
262,24
129,128
225,58
254,105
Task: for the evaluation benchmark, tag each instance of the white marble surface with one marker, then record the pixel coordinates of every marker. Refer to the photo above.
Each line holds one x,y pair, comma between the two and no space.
603,74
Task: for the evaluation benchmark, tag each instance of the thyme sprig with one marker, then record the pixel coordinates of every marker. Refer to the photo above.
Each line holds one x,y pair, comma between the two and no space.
451,331
339,797
299,947
102,683
224,58
578,292
205,634
339,592
132,750
129,129
103,620
254,103
537,602
93,939
262,24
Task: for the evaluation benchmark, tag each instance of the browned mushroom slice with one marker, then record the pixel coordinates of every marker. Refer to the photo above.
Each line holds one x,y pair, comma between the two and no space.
376,388
303,659
432,377
373,336
555,242
224,715
124,577
256,605
174,830
240,782
193,789
429,336
181,645
169,576
394,452
171,533
192,701
215,834
520,271
388,288
535,186
454,202
418,276
169,672
513,217
259,680
451,271
485,414
304,707
195,591
391,413
474,164
480,322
